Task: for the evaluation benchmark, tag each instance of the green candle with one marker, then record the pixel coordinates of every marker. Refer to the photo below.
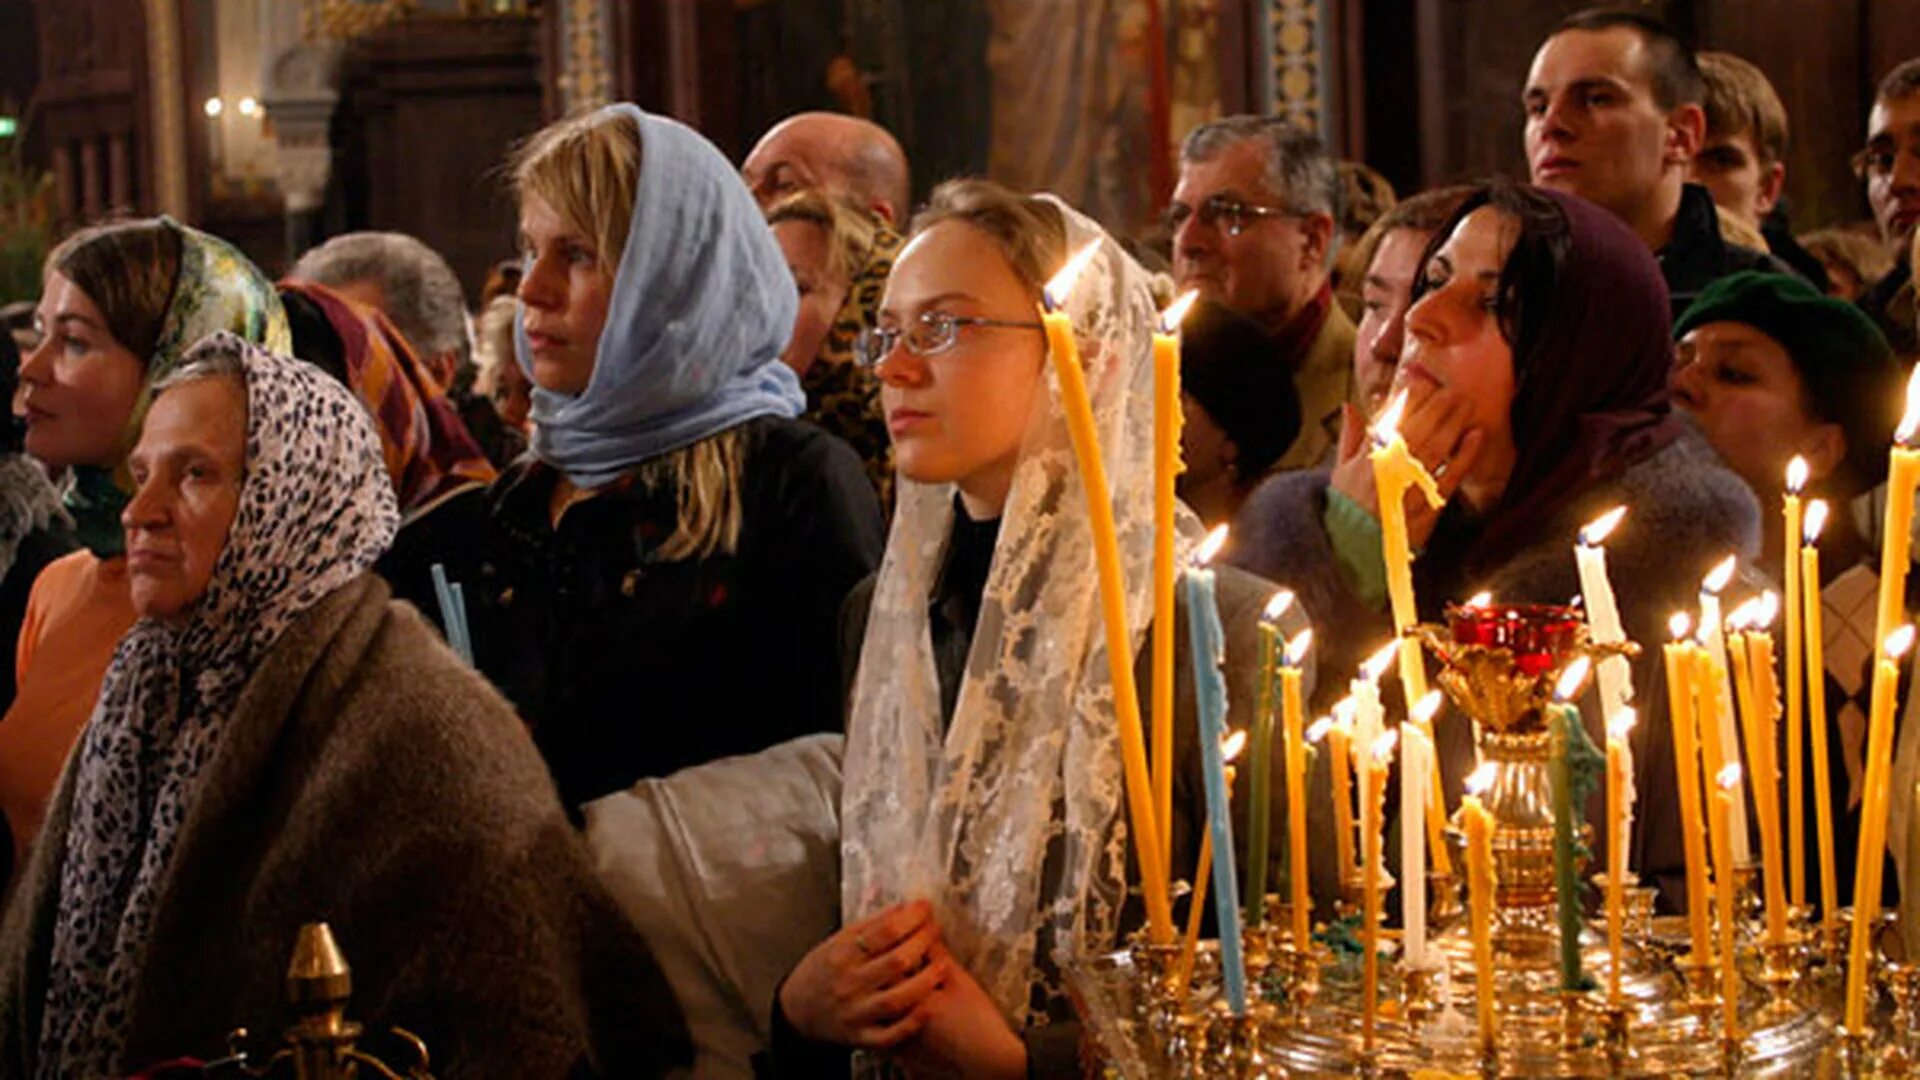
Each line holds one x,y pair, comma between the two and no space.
1577,767
1260,784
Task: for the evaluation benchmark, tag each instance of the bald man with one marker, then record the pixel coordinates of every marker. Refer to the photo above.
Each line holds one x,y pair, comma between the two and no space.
841,155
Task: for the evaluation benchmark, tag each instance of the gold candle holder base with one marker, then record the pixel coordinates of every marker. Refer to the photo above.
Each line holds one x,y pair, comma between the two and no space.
1573,1021
1902,983
1617,1024
1187,1049
1157,1003
1701,977
1303,982
1851,1053
1733,1051
1443,901
1233,1047
1416,986
1781,967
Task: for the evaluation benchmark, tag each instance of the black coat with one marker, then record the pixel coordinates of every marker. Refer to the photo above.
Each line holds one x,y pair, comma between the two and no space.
628,668
1697,255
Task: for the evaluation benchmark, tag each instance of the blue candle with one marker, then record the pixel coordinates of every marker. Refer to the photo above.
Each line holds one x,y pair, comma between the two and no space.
1210,691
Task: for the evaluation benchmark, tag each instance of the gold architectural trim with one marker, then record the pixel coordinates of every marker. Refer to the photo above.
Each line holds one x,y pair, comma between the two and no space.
1297,64
584,80
167,97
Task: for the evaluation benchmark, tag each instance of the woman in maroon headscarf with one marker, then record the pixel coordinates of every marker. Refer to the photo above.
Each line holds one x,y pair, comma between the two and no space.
1536,372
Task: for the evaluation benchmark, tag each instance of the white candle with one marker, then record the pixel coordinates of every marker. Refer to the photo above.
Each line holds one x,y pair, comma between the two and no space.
1603,613
1713,636
1416,759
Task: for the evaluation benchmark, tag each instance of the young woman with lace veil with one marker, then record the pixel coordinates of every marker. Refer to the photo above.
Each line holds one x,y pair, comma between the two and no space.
982,829
119,305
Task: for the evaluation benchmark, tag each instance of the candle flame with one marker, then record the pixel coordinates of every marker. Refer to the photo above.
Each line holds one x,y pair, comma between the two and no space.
1743,616
1280,604
1481,599
1766,609
1679,625
1796,474
1230,746
1379,662
1572,679
1816,521
1620,724
1388,424
1910,420
1729,777
1297,648
1426,708
1595,532
1718,577
1343,711
1055,294
1899,642
1480,779
1211,546
1383,746
1176,312
1319,729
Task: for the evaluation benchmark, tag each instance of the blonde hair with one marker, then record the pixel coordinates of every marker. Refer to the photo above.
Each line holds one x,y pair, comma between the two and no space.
587,168
850,230
1030,232
1740,101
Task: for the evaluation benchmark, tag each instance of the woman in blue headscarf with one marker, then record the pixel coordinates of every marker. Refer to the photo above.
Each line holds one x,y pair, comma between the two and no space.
666,568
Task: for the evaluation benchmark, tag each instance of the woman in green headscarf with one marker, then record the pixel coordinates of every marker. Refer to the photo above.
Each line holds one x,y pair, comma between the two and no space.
120,304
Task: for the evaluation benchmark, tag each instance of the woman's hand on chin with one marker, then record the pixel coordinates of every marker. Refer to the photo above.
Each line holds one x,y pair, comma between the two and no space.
964,1033
866,986
1439,434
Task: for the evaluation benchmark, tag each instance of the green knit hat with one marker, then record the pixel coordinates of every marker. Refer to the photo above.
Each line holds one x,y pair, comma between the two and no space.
1850,373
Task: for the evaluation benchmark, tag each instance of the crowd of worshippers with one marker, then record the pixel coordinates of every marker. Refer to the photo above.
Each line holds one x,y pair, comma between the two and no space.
693,659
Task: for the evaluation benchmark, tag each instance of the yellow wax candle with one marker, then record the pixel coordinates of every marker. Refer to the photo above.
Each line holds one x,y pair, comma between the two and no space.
1373,783
1291,713
1765,795
1903,473
1766,693
1725,789
1190,945
1796,755
1873,823
1340,760
1167,466
1817,710
1686,762
1395,470
1078,408
1619,727
1480,888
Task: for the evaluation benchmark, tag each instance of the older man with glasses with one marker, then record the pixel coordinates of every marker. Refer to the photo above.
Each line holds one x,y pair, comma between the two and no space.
1889,165
1252,222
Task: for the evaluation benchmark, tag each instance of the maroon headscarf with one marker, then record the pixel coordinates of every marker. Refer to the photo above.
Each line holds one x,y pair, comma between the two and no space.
1588,318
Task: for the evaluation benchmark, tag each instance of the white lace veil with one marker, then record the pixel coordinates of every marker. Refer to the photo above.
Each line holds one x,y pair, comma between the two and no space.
1011,823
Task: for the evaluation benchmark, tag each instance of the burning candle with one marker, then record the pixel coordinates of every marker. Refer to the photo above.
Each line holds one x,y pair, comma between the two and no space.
1726,790
1340,764
1481,882
1260,784
1166,469
1712,629
1574,767
1619,799
1373,782
1078,407
1758,736
1298,754
1395,471
1603,613
1681,708
1796,756
1903,473
1817,708
1207,649
1415,750
1763,736
1873,820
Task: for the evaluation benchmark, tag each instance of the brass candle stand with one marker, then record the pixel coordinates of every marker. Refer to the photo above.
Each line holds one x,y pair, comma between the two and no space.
1498,665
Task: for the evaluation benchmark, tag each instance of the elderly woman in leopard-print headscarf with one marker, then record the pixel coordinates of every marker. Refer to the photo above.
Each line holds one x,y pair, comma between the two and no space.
277,742
840,255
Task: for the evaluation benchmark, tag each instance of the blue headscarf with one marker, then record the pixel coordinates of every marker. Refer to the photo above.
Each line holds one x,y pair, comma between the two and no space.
703,304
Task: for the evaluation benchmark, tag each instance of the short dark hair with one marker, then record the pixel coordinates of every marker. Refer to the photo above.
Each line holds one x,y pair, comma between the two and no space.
1227,367
1674,70
1901,83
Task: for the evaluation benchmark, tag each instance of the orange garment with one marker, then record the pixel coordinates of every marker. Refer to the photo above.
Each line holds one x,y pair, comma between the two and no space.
77,613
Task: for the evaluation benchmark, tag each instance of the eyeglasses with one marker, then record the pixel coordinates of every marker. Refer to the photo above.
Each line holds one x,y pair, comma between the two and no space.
1876,160
1219,208
933,333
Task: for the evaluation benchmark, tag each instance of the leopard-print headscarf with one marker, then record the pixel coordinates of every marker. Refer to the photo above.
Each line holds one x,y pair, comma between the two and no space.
316,509
844,397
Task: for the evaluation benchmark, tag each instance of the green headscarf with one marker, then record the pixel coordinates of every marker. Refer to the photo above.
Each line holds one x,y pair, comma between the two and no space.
217,288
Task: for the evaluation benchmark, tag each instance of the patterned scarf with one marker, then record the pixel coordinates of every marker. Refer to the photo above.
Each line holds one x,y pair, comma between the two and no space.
316,509
217,288
429,453
844,397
